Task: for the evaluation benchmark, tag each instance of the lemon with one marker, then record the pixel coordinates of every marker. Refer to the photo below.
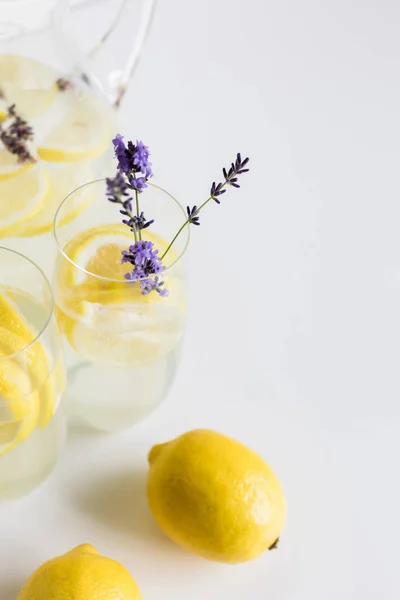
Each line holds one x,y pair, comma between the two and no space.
22,197
81,574
61,181
15,335
83,133
215,497
28,84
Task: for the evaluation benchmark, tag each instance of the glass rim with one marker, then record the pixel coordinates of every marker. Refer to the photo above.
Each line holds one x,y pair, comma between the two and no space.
50,309
113,279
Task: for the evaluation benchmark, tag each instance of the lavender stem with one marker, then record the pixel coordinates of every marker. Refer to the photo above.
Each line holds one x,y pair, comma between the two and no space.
188,221
130,215
137,211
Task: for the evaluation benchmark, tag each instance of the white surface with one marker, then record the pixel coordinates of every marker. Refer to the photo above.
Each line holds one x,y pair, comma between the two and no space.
293,339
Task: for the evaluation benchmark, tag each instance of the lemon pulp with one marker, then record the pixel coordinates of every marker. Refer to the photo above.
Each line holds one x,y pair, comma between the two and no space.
29,387
104,318
72,132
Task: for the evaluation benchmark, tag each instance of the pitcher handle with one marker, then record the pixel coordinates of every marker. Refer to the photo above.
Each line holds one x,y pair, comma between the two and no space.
101,57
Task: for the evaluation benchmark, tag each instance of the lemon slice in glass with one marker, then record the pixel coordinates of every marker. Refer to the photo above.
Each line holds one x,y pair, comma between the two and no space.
28,84
19,407
15,335
22,197
9,165
63,178
84,132
3,109
111,322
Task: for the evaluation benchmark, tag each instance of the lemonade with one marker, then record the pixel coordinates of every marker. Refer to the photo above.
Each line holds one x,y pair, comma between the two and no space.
32,378
54,136
122,348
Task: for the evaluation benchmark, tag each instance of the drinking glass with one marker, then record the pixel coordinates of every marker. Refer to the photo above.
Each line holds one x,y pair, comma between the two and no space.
32,378
122,348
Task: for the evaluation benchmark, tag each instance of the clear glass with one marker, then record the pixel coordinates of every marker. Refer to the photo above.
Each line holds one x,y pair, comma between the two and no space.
122,349
64,73
32,378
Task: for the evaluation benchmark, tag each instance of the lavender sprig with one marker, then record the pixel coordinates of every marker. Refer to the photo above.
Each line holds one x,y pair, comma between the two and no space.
16,135
134,169
117,193
217,189
134,164
136,223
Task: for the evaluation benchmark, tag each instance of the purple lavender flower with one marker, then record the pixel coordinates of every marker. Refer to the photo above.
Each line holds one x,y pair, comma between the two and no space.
134,170
145,261
141,159
121,154
137,183
136,223
192,215
16,134
135,275
142,255
231,177
116,188
216,190
153,285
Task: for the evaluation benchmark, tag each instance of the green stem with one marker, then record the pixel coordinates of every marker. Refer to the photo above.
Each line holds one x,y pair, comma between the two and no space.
187,222
137,211
130,215
179,232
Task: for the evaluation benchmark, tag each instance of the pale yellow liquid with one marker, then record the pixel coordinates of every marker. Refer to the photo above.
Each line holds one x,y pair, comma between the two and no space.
84,161
27,463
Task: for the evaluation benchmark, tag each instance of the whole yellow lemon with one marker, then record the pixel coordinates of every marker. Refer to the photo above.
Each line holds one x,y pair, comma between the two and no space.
80,574
215,497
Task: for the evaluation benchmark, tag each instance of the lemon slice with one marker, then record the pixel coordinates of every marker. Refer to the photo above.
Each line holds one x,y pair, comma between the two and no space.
3,109
9,165
62,181
84,133
28,84
22,197
15,335
111,322
19,408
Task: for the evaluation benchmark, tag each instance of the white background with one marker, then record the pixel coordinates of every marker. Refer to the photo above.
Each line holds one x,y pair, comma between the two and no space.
292,345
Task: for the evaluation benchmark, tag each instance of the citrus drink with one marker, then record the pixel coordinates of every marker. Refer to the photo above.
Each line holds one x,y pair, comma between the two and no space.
54,136
122,348
32,382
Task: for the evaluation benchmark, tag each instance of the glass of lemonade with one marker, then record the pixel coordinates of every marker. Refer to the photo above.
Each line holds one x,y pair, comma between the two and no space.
122,348
32,379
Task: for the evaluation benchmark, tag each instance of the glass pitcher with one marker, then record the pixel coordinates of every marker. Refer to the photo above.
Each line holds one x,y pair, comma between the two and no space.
63,74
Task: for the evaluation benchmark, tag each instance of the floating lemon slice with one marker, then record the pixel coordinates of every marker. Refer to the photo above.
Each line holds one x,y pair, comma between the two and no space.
62,181
15,335
28,84
22,197
3,109
19,408
9,165
84,133
106,320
